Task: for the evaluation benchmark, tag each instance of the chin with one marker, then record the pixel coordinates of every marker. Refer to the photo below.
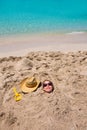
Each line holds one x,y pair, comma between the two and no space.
49,91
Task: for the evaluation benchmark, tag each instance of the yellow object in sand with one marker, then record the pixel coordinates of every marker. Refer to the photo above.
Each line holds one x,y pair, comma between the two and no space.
17,95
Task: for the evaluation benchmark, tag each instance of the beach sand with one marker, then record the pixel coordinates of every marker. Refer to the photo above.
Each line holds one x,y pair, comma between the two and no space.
64,64
20,45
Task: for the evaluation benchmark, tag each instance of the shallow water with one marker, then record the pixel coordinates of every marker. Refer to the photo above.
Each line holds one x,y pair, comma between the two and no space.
32,16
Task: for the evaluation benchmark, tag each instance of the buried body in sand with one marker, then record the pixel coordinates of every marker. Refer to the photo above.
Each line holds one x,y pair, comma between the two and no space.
65,108
30,84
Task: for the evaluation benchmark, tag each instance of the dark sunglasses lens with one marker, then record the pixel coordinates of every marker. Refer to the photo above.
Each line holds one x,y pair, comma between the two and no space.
44,85
49,83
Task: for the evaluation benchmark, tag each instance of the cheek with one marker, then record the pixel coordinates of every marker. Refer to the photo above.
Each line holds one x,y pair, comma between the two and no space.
49,88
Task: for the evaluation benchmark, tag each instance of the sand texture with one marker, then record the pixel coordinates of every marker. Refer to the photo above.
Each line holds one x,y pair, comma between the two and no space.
63,109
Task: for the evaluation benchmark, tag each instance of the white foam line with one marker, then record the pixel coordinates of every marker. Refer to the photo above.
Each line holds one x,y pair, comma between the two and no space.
71,33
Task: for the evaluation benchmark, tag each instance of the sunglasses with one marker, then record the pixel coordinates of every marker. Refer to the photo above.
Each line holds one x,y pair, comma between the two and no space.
45,84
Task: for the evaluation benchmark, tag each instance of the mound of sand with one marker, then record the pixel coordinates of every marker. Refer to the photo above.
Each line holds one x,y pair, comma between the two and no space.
63,109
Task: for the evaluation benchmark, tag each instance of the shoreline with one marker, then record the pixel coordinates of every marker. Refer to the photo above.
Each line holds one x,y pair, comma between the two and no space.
19,45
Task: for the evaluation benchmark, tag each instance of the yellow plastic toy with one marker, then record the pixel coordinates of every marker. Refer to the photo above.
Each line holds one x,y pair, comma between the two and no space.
17,95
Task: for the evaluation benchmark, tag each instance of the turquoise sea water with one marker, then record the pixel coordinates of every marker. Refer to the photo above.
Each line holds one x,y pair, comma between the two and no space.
31,16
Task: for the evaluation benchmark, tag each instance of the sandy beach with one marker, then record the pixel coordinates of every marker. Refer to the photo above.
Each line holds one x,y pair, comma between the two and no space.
59,58
20,45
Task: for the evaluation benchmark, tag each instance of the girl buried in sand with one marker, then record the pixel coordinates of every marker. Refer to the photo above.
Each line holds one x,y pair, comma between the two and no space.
48,86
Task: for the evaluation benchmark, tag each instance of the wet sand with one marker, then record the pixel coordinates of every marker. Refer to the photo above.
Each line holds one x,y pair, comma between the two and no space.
20,45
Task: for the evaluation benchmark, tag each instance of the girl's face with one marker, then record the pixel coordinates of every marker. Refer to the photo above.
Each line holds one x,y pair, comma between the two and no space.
47,86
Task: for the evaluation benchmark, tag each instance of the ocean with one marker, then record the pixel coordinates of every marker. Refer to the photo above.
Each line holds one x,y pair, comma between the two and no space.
36,16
